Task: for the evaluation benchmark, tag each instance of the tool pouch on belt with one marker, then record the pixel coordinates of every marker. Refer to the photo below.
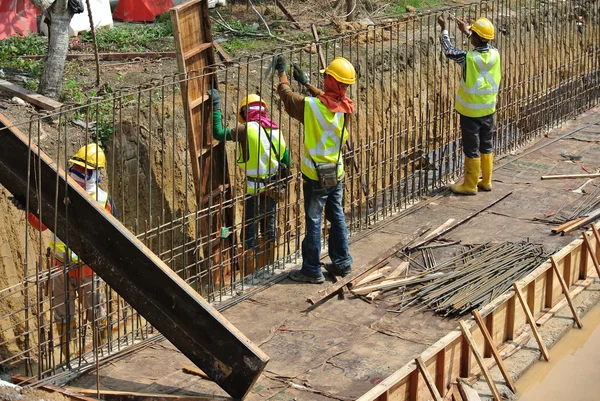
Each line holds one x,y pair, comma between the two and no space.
327,174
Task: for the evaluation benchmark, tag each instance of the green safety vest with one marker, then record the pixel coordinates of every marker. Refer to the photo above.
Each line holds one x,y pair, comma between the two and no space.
322,134
262,161
59,248
477,94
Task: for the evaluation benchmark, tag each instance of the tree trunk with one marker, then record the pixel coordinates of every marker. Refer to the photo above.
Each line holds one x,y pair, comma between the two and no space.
351,6
58,46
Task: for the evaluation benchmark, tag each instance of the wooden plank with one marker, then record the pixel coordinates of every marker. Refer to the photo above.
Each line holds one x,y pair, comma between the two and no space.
287,14
34,98
563,176
395,283
531,322
22,380
398,270
113,395
494,350
579,287
445,225
197,50
428,379
222,53
322,63
564,226
109,56
440,370
588,246
484,370
194,371
140,277
357,274
459,223
565,290
467,392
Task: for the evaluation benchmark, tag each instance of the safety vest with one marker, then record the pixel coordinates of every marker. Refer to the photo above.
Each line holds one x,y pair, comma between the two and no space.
478,90
60,249
322,135
262,161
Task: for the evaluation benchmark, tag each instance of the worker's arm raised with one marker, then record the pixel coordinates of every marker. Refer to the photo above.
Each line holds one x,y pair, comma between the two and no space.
450,51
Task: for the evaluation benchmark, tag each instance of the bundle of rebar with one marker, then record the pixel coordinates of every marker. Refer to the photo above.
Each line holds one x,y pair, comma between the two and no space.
582,207
475,277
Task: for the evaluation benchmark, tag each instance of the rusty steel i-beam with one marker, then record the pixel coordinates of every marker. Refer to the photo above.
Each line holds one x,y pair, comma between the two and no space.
131,269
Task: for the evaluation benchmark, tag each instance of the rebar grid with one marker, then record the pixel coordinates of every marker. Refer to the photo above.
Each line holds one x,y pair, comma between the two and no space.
406,143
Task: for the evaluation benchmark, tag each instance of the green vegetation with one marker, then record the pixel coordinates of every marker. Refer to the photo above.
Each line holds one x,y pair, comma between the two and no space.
400,7
12,48
134,37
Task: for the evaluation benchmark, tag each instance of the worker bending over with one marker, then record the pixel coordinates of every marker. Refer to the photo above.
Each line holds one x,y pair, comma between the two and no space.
70,276
324,116
475,101
263,155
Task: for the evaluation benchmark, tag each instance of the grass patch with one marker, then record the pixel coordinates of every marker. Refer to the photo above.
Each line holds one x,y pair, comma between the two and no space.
13,48
132,37
400,5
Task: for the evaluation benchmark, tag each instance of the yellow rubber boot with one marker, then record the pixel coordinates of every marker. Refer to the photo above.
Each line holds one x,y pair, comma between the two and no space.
487,165
469,186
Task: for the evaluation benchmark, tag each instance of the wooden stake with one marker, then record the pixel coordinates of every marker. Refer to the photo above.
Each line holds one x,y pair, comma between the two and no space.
287,14
484,370
495,353
565,289
428,379
588,245
531,322
561,176
313,28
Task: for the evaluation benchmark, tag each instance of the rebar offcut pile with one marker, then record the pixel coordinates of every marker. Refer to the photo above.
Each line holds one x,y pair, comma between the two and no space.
474,278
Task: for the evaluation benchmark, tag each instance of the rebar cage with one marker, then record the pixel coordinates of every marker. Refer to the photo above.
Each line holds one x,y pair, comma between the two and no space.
405,144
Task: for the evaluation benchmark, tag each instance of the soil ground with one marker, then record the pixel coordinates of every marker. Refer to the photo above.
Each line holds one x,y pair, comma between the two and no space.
342,348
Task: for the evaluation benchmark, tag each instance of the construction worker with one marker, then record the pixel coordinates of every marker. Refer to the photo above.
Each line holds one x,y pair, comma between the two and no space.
324,116
475,101
264,157
70,272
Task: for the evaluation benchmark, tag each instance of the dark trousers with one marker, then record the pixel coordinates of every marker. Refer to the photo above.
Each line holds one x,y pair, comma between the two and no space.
477,135
260,211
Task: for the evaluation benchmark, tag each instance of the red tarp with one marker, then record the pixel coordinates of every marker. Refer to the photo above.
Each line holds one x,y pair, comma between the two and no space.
140,10
17,17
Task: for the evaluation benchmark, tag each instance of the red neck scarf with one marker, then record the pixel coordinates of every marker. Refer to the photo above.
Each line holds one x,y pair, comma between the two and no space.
256,112
335,98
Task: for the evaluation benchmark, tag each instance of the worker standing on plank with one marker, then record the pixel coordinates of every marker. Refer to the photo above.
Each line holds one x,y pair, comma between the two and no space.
70,276
324,116
263,155
475,100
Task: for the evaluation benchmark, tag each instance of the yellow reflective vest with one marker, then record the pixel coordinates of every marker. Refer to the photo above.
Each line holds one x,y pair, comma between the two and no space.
476,96
262,161
59,248
323,138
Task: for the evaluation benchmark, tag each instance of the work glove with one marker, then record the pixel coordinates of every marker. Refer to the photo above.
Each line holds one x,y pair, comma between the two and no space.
299,75
280,64
216,98
18,201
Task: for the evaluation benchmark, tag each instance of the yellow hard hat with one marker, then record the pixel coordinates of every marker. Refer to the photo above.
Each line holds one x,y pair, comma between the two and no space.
253,98
342,70
89,156
483,28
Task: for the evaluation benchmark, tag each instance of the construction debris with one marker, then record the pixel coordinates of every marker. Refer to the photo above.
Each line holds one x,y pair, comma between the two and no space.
583,211
563,176
452,227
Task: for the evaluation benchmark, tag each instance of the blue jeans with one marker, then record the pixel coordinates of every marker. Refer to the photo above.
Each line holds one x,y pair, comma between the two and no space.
314,201
260,210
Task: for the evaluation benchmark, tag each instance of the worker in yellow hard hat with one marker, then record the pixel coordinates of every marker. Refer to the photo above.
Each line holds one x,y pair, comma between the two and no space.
325,118
70,277
475,101
265,159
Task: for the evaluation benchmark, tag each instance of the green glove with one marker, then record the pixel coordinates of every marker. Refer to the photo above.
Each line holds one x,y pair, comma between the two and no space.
280,64
216,98
299,75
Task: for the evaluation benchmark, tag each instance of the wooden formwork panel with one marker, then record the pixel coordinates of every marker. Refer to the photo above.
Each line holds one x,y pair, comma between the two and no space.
504,318
195,55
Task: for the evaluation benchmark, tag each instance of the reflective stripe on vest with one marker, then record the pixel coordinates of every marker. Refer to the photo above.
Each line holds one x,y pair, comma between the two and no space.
322,133
59,248
476,96
262,161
